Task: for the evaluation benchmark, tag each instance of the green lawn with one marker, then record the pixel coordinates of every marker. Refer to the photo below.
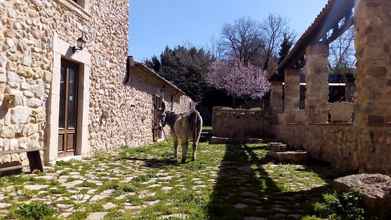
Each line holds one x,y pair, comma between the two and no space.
226,182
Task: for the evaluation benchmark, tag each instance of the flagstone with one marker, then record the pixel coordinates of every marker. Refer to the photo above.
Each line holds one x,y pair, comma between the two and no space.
96,216
4,205
72,184
36,187
166,188
109,205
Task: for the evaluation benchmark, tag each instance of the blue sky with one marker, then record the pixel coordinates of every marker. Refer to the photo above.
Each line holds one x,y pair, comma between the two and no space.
154,24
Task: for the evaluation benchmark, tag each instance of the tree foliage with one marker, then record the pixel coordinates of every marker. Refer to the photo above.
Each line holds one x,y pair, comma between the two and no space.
254,42
285,47
238,79
342,54
186,67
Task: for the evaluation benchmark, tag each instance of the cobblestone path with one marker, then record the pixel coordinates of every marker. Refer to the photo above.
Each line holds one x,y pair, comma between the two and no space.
226,182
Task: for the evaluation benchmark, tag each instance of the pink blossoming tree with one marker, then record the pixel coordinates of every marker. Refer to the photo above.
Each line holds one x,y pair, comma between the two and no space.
238,79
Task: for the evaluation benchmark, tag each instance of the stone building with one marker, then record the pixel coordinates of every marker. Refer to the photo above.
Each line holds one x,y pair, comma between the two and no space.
149,91
66,98
356,135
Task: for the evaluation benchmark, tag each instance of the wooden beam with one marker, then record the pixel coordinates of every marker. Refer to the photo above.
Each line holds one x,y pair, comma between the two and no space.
338,32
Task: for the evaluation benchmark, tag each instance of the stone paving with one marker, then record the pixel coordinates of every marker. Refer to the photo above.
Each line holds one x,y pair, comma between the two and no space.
227,182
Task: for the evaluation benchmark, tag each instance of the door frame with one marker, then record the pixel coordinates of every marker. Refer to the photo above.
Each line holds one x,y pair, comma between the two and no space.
64,131
157,131
63,50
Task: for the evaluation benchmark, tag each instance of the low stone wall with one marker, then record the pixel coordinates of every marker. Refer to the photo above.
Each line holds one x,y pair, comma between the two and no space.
343,145
341,112
293,134
238,123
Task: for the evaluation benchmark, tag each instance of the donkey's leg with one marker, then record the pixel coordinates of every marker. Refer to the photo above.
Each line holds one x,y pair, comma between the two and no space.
185,146
196,139
195,145
176,148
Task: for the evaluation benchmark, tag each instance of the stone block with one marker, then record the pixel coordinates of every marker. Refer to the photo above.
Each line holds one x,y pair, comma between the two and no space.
9,101
375,189
20,115
7,132
34,103
3,77
341,112
277,147
38,90
13,79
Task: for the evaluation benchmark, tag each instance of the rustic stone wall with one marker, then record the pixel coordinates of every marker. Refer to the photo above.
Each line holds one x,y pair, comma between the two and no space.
317,92
144,86
365,144
292,90
373,45
341,112
276,94
238,123
27,31
25,73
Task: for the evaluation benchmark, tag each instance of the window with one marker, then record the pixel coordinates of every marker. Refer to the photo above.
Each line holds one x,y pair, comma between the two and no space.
80,2
78,6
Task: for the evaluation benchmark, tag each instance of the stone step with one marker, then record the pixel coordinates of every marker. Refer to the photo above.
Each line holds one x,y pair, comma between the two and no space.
290,156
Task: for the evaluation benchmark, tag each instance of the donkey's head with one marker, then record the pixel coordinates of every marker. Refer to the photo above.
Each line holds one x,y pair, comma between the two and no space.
168,118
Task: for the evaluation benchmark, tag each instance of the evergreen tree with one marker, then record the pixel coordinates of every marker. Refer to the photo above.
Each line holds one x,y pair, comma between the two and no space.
186,67
285,47
153,63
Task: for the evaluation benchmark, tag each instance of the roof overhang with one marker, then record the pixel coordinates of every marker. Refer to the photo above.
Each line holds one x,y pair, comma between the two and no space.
329,19
157,76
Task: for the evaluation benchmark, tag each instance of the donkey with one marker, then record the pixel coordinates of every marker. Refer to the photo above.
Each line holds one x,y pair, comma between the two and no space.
183,127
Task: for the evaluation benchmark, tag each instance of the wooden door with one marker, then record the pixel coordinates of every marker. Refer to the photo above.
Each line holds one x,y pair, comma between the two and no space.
158,110
67,139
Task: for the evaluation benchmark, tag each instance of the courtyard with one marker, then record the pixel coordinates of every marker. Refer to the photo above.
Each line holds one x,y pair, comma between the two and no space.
231,181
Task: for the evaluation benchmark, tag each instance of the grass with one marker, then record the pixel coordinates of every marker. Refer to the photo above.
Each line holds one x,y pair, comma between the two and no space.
226,182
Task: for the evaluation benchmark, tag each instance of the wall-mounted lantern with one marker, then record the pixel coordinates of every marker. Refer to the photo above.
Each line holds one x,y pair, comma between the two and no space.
80,44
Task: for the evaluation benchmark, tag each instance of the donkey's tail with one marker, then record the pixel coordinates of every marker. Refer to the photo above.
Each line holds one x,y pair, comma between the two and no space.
197,127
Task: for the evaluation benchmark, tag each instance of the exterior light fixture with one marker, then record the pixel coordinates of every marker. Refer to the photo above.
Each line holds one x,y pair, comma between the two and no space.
80,44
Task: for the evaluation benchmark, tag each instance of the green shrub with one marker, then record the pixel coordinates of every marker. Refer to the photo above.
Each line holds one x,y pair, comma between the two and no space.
346,206
34,211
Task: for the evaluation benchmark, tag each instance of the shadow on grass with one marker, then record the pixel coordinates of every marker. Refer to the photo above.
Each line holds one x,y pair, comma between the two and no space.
155,163
244,190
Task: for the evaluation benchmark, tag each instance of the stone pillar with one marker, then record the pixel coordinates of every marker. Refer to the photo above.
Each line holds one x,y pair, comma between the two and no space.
291,96
292,90
317,93
373,46
276,97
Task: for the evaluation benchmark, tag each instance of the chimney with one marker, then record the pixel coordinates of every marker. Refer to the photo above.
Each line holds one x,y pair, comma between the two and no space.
130,61
130,64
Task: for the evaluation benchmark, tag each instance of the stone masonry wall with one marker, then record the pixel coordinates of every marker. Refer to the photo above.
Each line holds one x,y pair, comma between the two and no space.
365,144
25,73
27,30
238,123
144,87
